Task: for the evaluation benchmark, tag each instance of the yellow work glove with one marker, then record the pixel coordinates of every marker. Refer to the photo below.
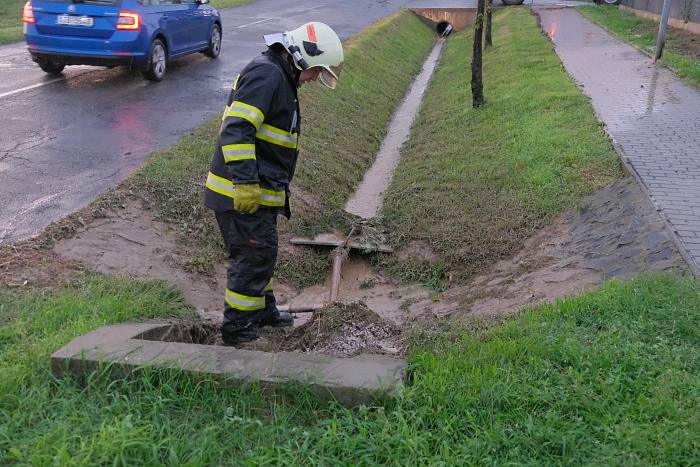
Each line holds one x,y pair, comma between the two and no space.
247,198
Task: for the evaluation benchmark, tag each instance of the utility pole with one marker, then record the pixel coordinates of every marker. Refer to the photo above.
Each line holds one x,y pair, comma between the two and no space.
477,82
487,31
663,25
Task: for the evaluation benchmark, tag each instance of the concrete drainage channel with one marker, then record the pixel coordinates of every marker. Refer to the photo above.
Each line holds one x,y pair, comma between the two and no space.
191,348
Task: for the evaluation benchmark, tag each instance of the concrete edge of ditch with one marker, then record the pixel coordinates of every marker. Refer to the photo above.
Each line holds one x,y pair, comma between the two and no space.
121,348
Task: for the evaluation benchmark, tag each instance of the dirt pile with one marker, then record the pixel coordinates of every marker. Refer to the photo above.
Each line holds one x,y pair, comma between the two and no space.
340,330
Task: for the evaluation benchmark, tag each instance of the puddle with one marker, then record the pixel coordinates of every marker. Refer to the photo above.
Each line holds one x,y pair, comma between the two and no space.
360,284
368,198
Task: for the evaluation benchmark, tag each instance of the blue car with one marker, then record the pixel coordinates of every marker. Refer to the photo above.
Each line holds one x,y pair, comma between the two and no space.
140,34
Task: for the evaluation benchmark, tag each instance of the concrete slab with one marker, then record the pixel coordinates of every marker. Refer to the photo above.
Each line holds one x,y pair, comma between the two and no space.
350,381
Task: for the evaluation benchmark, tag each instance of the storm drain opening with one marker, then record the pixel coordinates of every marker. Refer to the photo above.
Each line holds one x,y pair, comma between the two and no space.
444,28
445,21
184,332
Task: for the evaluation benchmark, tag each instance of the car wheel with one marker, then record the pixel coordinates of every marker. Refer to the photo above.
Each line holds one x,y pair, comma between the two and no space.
608,2
512,2
157,61
214,48
51,67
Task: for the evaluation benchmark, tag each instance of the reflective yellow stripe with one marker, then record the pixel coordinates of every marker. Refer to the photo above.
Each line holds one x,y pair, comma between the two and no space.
272,198
269,286
246,112
238,152
244,302
276,136
220,185
223,116
225,187
234,85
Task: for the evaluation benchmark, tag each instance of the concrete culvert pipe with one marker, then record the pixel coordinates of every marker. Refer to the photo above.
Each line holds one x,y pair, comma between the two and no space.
444,28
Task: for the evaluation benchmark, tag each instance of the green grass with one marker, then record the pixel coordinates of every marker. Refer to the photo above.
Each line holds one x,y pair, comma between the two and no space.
611,377
11,17
341,133
682,49
11,20
472,185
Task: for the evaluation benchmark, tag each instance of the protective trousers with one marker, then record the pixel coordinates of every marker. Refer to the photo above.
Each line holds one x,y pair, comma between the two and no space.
251,240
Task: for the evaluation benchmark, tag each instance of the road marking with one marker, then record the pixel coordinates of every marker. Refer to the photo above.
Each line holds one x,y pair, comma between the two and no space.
33,86
250,24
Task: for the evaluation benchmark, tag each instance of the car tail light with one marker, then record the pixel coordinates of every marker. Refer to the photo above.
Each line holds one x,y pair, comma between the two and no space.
128,20
28,14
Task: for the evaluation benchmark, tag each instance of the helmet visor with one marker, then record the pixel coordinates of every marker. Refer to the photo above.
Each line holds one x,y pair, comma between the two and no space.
329,76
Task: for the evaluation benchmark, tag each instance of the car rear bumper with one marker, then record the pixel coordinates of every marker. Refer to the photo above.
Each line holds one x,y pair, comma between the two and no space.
123,48
82,59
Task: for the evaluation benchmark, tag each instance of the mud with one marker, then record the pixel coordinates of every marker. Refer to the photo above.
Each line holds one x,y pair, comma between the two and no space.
368,198
618,234
340,330
129,241
360,283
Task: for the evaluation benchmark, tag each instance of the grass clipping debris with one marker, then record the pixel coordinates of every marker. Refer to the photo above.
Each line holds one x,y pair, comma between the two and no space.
341,330
473,184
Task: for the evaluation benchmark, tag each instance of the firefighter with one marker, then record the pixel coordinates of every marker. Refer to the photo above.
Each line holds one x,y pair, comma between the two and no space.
253,164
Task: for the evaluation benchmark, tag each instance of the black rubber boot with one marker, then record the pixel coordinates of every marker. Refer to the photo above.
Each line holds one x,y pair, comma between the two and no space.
233,333
278,319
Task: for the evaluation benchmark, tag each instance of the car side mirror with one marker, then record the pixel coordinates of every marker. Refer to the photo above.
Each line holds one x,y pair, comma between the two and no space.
202,2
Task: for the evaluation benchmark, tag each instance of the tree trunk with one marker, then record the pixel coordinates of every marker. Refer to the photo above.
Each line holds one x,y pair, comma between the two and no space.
477,83
487,31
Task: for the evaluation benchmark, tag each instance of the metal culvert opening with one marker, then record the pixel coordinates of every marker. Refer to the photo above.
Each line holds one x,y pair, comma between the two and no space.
444,28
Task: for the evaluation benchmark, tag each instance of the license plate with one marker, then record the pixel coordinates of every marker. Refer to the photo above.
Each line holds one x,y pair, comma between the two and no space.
69,20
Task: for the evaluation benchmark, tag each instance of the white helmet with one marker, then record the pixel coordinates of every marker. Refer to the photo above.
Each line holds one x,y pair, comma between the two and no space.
312,45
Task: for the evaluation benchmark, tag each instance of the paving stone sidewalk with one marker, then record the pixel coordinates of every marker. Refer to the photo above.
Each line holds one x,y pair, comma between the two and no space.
651,115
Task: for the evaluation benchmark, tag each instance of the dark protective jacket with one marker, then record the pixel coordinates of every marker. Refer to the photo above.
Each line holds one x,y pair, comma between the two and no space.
258,137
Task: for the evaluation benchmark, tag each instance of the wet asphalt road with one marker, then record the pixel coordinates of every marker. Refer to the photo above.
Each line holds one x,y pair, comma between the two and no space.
64,141
67,140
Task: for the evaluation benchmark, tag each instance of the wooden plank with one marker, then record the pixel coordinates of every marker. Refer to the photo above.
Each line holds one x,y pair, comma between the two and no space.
333,241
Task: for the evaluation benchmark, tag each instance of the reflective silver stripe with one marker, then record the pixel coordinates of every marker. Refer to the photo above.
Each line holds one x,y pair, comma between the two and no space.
244,302
238,155
253,114
220,186
274,199
277,136
240,152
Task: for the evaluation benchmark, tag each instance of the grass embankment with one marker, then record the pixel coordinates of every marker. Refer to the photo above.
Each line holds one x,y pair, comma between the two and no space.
341,133
11,17
472,185
682,49
11,20
610,377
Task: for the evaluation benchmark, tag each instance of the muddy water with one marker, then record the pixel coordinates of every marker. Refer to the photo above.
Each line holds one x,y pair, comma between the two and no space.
368,198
